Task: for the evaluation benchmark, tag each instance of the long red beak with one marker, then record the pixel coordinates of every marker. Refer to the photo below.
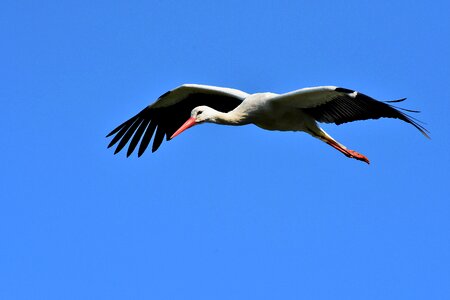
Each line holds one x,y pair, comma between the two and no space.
188,124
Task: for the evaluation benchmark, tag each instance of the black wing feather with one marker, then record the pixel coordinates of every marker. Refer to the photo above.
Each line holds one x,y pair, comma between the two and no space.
166,120
159,137
121,131
147,137
346,107
137,137
128,135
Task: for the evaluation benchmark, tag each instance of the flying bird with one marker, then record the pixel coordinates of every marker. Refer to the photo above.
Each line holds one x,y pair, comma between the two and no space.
299,110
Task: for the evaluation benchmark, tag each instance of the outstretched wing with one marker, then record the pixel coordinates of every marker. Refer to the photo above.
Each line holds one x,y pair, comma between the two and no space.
330,104
169,112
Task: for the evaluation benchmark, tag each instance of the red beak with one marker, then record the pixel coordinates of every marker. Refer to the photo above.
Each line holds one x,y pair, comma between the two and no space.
188,124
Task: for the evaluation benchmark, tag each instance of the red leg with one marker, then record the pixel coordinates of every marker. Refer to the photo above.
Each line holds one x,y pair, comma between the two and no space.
347,152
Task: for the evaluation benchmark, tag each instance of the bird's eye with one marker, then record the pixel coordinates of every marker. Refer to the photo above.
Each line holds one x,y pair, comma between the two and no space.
199,113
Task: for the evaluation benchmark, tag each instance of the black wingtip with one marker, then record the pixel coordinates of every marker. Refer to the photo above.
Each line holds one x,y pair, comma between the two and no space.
422,129
118,128
395,101
415,123
410,110
409,119
112,143
114,131
140,152
130,129
424,132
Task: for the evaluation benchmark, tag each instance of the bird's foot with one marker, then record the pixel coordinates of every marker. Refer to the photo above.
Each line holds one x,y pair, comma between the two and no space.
347,152
356,155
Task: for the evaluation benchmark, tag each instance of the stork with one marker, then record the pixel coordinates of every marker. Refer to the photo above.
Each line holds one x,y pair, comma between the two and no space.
299,110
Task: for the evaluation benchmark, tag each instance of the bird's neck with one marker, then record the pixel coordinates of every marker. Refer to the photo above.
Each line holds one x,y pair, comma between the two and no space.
229,118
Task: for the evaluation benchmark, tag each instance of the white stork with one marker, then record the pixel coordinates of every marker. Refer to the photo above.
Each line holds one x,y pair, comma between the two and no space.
300,110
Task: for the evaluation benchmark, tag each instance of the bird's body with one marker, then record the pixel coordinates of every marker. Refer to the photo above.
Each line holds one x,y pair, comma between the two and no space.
299,110
268,114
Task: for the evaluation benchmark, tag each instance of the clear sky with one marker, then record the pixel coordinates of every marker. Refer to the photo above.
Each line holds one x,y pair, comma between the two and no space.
221,212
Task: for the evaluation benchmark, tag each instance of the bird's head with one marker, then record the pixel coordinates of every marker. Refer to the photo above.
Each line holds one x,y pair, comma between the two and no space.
203,114
199,115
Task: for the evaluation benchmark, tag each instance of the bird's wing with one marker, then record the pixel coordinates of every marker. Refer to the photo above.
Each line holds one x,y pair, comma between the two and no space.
169,112
331,104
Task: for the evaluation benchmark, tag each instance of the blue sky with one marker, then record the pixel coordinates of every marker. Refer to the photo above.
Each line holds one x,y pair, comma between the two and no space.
220,212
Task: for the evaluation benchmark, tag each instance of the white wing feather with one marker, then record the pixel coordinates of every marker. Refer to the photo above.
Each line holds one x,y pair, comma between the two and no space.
178,94
307,97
